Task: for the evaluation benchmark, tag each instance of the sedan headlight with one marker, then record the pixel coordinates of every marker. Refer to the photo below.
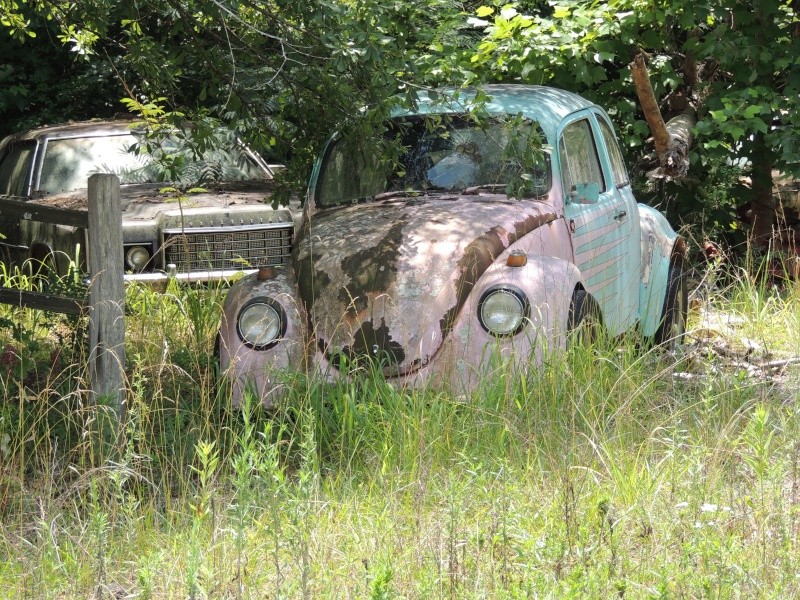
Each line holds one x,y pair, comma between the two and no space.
261,323
136,257
502,310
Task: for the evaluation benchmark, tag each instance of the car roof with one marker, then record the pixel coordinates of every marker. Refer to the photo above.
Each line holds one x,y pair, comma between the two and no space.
546,105
79,128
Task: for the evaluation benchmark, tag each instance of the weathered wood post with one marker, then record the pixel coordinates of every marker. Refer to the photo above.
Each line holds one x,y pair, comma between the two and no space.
106,295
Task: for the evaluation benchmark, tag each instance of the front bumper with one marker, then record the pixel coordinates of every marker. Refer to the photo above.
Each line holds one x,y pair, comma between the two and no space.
162,278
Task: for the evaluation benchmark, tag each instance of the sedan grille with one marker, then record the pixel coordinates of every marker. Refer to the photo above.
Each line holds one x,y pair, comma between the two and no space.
208,249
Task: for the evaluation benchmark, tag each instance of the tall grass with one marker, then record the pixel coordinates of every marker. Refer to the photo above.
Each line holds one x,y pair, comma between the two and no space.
604,473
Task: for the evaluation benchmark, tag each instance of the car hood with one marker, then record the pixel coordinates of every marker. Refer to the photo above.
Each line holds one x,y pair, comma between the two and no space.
388,279
143,201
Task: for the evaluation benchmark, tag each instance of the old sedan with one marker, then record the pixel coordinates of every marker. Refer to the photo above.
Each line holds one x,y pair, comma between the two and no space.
226,225
454,237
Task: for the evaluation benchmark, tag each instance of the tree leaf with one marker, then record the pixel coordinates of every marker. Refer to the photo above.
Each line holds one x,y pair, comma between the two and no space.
561,12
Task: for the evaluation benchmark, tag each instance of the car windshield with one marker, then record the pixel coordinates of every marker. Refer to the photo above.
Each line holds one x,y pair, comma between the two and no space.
68,162
437,153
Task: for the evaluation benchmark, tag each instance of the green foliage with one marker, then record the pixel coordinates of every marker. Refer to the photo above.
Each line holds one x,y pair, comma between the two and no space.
43,78
747,58
713,189
753,109
284,75
14,20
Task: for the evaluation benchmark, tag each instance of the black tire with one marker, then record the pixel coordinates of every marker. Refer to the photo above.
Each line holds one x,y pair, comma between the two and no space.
672,329
585,322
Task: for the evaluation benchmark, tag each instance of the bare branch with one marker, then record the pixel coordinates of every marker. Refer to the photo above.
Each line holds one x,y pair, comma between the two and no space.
647,100
672,139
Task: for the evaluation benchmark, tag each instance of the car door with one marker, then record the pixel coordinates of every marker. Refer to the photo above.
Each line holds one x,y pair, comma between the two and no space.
632,258
602,218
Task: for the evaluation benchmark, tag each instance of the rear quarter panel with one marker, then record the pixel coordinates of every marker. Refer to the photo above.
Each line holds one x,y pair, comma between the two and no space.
659,242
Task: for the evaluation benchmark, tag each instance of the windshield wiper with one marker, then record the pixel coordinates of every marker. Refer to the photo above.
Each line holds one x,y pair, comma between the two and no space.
397,194
408,193
486,187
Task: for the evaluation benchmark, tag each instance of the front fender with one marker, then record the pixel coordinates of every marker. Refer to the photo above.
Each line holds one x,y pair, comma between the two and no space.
659,244
548,283
258,370
469,351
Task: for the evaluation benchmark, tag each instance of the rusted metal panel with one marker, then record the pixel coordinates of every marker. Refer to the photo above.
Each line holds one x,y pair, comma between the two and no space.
423,253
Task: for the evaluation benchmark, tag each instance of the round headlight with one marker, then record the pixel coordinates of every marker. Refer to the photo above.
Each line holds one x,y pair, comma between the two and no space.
261,323
502,310
136,257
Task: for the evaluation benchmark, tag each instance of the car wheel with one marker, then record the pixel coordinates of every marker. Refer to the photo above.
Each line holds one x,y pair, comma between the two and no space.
672,329
585,322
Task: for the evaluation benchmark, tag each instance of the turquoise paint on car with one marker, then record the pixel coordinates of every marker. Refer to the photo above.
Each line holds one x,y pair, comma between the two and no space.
662,252
545,105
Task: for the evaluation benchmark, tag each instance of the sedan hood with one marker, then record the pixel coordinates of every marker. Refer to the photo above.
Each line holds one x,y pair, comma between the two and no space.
397,294
144,200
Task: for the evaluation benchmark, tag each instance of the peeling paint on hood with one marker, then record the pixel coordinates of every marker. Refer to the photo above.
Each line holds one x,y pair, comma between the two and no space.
396,292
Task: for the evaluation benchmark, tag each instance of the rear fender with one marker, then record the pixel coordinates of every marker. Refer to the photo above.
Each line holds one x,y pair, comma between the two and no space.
660,245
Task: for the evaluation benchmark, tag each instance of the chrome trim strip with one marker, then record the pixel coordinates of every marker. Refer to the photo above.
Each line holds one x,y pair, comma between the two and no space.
229,228
193,277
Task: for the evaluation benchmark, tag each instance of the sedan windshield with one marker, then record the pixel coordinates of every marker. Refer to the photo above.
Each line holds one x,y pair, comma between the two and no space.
437,153
68,162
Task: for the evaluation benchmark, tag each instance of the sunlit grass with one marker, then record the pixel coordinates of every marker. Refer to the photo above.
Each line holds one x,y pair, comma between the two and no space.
760,300
602,474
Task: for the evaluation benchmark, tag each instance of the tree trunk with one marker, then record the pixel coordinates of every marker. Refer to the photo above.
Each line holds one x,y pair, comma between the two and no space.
681,138
673,139
763,203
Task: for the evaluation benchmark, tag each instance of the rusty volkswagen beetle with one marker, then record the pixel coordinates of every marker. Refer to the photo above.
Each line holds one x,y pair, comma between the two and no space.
456,237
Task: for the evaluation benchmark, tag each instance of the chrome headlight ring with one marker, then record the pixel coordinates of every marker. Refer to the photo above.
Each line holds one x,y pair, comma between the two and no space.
261,323
137,256
502,310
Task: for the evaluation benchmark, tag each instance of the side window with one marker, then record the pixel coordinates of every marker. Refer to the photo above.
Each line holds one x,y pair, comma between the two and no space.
580,166
15,168
618,169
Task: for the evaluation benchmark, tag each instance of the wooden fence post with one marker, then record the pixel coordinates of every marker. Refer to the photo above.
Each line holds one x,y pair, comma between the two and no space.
106,294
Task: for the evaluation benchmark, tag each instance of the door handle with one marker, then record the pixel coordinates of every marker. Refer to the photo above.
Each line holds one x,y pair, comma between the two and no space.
621,216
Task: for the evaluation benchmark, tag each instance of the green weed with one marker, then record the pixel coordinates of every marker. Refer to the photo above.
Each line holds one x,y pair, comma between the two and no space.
610,471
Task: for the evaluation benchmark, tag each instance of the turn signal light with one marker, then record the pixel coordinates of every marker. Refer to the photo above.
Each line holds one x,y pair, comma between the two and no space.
266,273
517,258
